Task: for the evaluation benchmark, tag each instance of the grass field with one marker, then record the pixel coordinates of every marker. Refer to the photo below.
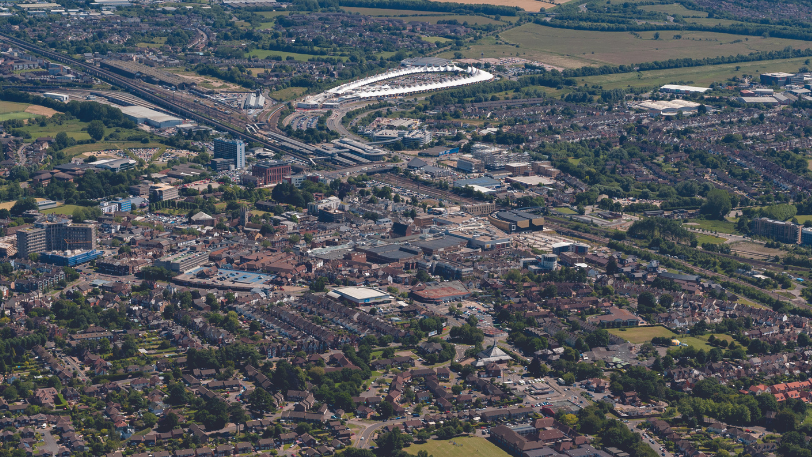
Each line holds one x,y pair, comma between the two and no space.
435,39
576,48
700,76
287,93
64,209
264,53
702,238
674,9
701,342
638,335
527,5
272,14
72,128
387,12
714,226
804,218
12,110
463,447
565,210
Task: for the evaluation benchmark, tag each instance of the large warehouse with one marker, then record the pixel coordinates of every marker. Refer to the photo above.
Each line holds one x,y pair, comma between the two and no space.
361,295
141,115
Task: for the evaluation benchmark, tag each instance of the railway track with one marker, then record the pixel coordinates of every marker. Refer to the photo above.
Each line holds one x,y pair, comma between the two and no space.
157,96
423,189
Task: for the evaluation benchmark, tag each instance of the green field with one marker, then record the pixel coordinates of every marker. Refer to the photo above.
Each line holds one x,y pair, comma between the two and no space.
272,14
699,76
435,39
702,239
565,210
12,110
387,12
264,53
469,446
638,335
64,209
804,218
576,48
287,93
701,342
714,226
674,9
72,128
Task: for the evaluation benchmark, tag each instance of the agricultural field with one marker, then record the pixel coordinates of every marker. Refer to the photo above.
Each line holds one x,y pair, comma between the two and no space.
576,48
459,447
639,335
12,110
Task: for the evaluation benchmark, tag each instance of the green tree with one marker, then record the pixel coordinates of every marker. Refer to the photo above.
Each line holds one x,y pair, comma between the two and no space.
717,204
391,443
96,130
23,205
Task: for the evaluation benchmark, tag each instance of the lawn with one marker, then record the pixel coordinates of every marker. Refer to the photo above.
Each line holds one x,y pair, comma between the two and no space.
64,209
565,210
702,239
435,39
714,226
13,110
287,93
265,53
701,342
272,14
459,447
638,335
804,218
576,48
72,128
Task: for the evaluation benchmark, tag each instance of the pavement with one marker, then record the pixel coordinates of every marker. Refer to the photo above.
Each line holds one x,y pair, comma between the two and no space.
649,439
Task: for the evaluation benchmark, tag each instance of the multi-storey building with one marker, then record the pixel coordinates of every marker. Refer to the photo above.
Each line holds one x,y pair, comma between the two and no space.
785,232
160,192
233,150
271,171
55,235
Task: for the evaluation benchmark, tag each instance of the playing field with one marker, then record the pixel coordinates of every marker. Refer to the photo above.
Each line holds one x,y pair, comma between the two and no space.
713,225
64,209
459,447
576,48
264,53
638,335
12,110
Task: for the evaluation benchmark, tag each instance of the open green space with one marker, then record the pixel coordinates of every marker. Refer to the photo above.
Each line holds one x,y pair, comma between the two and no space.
698,76
272,14
565,210
576,48
459,447
638,335
470,19
12,110
702,238
64,209
72,128
287,93
701,342
435,39
387,12
16,115
714,225
674,9
265,53
803,218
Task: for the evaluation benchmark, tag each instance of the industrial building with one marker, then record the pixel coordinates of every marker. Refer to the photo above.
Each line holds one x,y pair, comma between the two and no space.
183,262
577,248
360,295
69,258
514,221
64,98
233,150
143,115
785,232
254,101
120,204
161,192
678,89
776,79
668,107
488,183
55,235
271,171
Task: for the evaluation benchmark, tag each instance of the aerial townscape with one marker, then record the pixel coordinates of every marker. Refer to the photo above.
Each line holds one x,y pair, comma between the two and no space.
405,228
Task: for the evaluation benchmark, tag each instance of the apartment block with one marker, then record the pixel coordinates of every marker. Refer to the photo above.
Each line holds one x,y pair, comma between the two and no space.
785,232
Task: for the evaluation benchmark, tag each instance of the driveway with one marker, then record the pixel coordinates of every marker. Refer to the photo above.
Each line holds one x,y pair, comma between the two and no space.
49,442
